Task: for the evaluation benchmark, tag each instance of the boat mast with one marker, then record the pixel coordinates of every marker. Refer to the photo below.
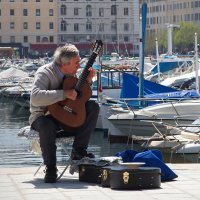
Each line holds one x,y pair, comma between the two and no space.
117,29
196,63
142,42
157,60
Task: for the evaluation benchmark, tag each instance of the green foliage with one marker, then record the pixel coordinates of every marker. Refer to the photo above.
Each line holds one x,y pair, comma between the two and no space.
150,43
183,39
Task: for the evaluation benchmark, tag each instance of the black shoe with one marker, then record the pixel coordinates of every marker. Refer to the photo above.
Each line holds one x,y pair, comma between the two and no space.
78,154
50,174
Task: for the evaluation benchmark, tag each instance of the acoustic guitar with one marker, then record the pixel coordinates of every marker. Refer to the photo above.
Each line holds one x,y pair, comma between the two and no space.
72,113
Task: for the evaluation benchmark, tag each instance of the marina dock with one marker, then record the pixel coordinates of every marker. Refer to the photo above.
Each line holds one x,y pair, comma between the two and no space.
20,184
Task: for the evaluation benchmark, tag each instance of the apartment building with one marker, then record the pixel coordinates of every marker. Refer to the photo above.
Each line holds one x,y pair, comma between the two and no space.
39,26
115,22
161,13
29,25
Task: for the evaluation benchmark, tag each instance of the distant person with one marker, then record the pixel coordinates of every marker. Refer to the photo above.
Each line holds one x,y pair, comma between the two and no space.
47,90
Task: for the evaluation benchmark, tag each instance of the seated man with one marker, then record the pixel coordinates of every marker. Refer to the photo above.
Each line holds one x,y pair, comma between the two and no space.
47,90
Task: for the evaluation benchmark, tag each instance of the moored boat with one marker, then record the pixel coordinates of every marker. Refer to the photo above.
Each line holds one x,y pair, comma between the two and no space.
139,122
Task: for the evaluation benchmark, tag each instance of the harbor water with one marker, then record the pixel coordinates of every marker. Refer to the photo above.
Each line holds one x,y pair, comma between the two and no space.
14,150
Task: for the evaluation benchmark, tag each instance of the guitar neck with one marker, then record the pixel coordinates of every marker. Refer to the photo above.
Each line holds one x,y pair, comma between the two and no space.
85,72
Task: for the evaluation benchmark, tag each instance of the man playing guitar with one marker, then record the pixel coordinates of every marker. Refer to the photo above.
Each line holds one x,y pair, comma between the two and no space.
47,90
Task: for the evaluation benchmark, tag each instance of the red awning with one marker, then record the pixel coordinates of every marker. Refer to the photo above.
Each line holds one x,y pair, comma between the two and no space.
81,46
43,47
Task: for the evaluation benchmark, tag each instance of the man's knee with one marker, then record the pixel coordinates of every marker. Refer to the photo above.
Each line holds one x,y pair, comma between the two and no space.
44,124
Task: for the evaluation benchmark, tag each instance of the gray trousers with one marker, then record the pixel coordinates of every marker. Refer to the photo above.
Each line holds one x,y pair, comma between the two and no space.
49,128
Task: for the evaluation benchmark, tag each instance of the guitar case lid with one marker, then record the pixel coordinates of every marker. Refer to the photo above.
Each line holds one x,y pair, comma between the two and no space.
141,178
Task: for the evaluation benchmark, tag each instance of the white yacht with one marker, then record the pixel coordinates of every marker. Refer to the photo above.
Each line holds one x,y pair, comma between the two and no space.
139,122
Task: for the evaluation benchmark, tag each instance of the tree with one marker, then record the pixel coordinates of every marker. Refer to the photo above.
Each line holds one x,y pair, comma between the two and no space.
150,43
183,39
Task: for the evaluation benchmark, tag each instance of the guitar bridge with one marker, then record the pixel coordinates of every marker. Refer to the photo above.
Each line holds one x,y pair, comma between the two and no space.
69,110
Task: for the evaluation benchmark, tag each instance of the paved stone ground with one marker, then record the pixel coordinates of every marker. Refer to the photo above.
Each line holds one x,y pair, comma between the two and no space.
19,184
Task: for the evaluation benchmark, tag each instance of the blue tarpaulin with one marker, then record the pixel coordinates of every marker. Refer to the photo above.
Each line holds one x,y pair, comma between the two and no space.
130,87
175,95
151,158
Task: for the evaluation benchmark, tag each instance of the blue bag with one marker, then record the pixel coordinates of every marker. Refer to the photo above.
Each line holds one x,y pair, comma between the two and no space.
127,155
153,158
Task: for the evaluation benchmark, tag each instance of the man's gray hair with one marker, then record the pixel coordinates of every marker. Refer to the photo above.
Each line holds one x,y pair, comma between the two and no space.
65,53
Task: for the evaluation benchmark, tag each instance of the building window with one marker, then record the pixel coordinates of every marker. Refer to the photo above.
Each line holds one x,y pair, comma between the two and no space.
63,38
164,7
50,12
0,12
126,38
51,39
37,25
196,16
37,0
125,11
88,10
113,10
126,27
12,0
76,38
63,10
25,0
37,39
12,25
37,12
25,12
101,12
51,25
76,11
63,25
192,17
25,39
12,12
101,27
89,26
45,39
50,0
113,25
76,27
12,39
25,25
114,38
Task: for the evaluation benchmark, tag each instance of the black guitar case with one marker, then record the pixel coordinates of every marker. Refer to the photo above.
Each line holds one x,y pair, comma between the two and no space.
91,173
105,176
140,178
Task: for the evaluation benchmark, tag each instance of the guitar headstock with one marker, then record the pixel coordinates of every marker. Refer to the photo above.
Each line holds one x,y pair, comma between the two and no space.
97,46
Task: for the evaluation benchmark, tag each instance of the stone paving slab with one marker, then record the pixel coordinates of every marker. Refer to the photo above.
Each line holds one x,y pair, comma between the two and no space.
20,184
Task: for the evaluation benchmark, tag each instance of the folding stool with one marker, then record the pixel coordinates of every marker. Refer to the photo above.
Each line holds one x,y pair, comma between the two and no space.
63,142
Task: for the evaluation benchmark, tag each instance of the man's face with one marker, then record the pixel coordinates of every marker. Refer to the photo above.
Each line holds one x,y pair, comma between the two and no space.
71,67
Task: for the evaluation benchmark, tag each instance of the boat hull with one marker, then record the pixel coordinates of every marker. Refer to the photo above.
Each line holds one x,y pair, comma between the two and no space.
143,127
